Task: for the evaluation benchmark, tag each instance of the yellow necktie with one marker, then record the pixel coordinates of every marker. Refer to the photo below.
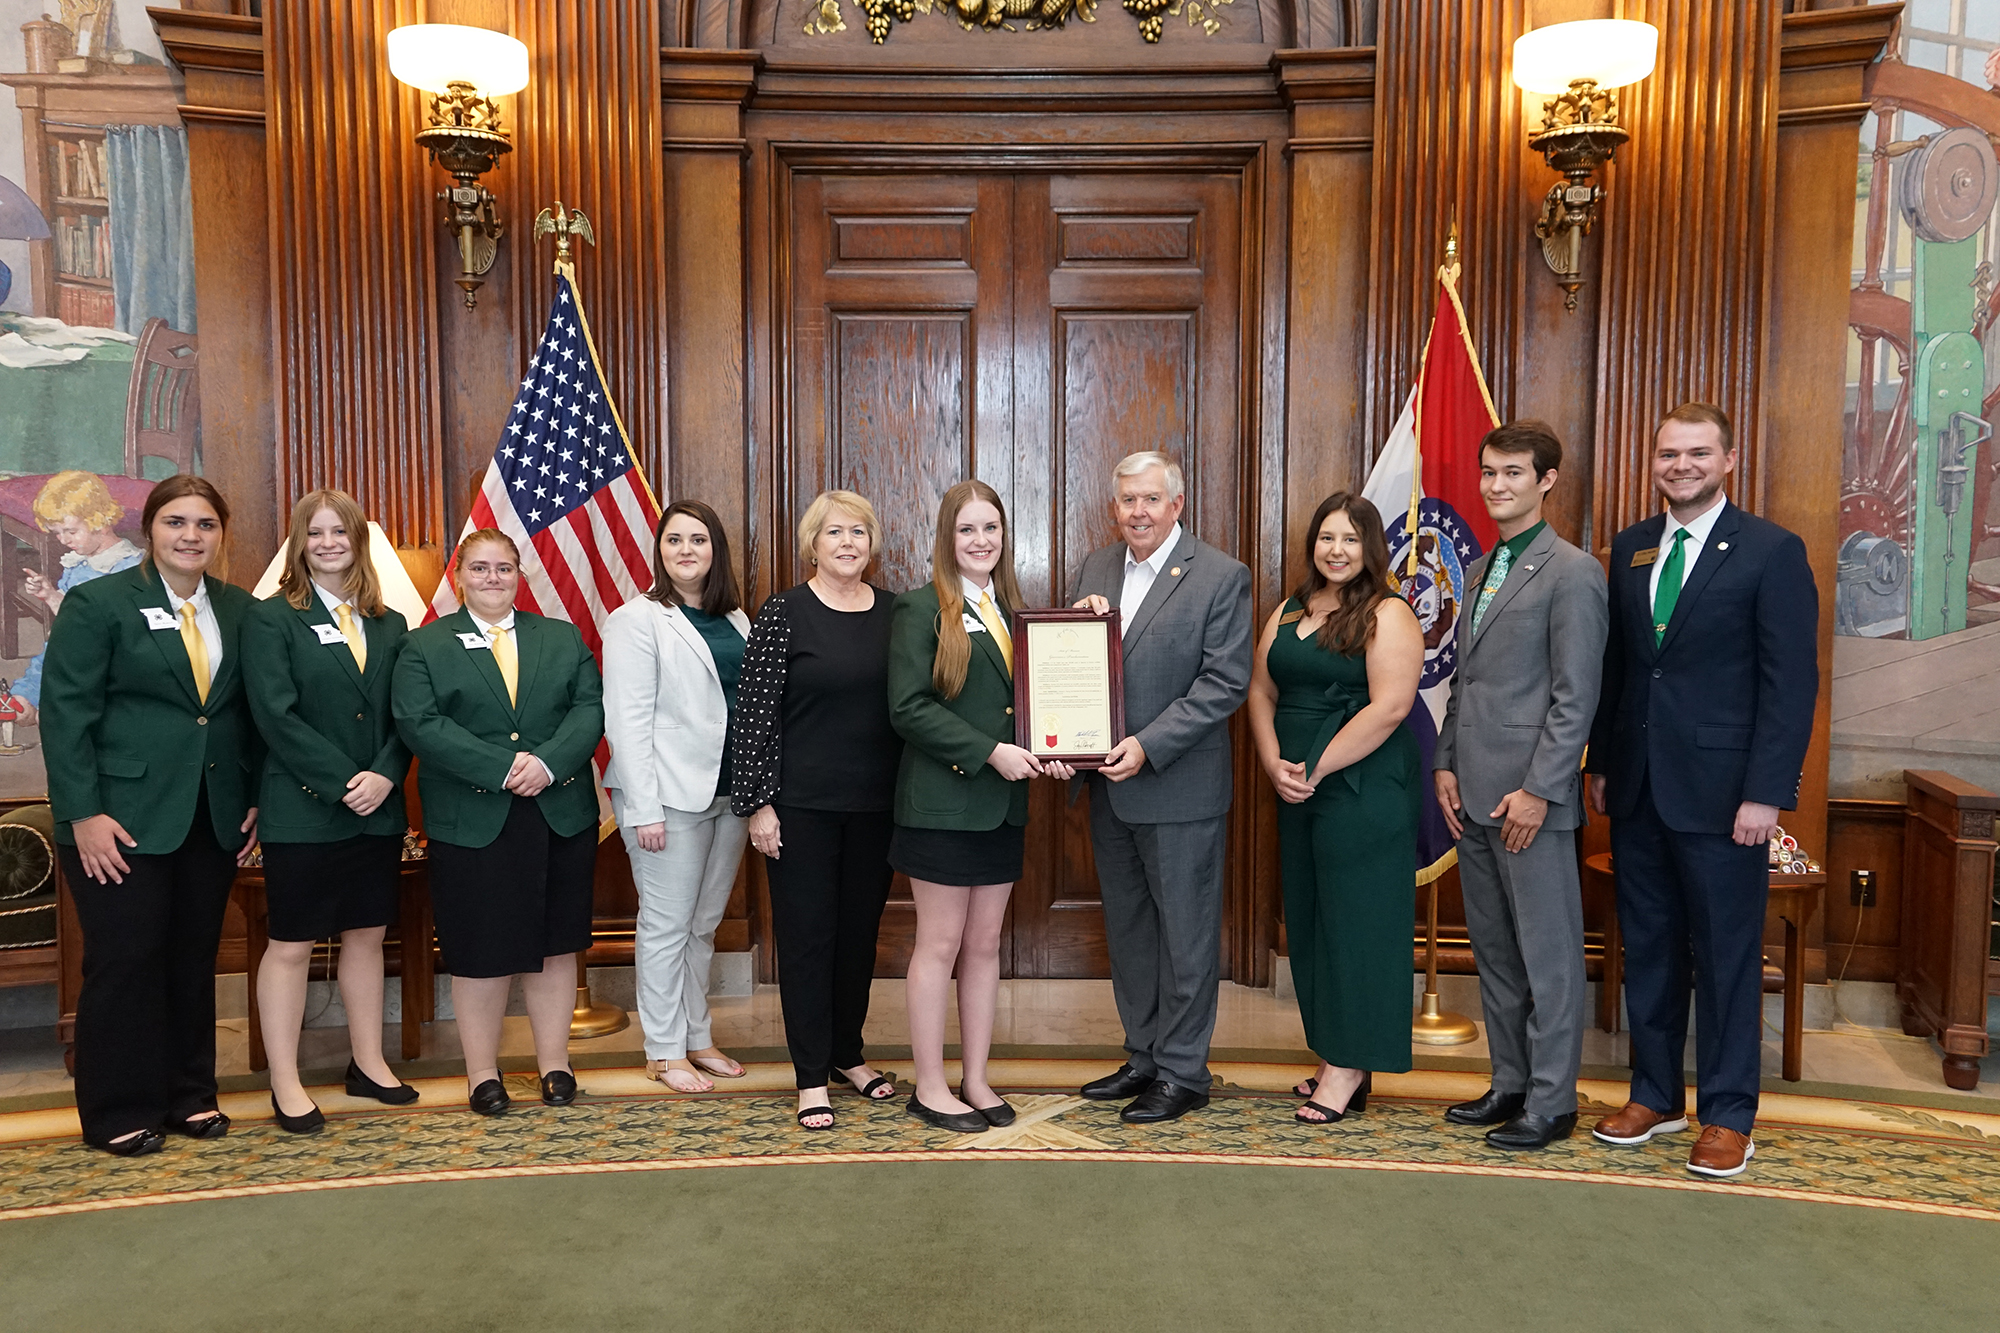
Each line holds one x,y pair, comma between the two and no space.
997,628
356,644
504,658
197,650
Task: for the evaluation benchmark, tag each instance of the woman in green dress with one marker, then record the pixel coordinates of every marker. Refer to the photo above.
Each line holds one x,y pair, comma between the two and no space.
1337,672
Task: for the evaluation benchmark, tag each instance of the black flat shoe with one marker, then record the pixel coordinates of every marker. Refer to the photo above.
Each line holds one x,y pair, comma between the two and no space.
958,1122
879,1089
1161,1102
490,1098
211,1127
360,1085
309,1123
1495,1108
1116,1087
145,1141
1528,1132
996,1116
558,1088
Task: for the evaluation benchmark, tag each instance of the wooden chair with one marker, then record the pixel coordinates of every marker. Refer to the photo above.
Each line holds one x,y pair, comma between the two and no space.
163,406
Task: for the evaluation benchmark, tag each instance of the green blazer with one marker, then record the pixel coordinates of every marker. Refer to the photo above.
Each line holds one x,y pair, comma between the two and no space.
452,710
323,720
944,780
123,730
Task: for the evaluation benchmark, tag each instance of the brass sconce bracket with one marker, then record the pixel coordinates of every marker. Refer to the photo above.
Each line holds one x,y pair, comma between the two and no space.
465,137
1579,133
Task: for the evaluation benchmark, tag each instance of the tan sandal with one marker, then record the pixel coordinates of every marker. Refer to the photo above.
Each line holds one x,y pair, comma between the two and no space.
662,1071
721,1068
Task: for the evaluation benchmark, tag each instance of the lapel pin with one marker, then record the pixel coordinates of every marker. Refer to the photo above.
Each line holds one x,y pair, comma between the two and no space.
1175,572
1722,546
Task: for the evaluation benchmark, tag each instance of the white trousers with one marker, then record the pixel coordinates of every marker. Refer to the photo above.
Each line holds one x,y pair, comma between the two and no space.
683,891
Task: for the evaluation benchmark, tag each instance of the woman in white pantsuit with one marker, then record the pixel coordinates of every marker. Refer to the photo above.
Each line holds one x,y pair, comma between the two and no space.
671,659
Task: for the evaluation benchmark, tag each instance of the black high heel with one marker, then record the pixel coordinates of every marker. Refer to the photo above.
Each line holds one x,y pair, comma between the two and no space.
309,1123
1356,1103
360,1085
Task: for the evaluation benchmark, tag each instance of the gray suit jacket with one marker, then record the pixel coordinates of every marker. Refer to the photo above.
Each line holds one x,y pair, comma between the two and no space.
1187,668
1526,688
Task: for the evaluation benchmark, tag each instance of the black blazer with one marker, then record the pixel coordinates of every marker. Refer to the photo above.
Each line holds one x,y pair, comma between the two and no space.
1721,711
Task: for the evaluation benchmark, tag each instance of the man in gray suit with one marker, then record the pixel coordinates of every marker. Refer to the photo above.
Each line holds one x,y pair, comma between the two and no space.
1507,771
1157,808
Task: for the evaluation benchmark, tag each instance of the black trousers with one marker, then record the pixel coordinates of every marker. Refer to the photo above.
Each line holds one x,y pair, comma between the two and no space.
145,1018
828,886
1691,909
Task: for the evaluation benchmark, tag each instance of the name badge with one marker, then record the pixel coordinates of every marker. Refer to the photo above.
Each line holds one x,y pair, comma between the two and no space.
159,619
1645,557
330,634
1291,617
473,642
973,624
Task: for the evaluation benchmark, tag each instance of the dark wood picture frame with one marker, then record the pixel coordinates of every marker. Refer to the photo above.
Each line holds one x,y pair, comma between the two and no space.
1114,661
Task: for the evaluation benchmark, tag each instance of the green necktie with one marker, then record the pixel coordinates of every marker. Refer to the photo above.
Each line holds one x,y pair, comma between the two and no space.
1496,575
1669,592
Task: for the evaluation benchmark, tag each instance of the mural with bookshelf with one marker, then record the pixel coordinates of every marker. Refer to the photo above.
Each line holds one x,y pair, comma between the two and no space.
81,227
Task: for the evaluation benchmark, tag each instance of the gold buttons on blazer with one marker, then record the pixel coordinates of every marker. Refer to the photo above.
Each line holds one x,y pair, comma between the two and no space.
513,735
201,722
1010,712
360,717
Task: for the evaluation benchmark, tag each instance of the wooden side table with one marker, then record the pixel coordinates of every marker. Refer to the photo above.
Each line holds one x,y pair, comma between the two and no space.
419,979
1793,900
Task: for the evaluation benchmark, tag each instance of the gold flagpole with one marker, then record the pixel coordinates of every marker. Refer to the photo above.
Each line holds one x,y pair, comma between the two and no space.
589,1018
1434,1026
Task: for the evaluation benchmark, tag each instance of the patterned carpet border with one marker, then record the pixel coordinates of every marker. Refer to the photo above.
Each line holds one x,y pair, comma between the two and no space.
1809,1149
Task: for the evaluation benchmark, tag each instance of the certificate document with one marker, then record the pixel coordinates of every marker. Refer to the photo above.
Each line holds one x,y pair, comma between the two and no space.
1069,686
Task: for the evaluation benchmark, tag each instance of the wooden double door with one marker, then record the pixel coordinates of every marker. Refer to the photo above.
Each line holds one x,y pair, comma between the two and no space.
1028,329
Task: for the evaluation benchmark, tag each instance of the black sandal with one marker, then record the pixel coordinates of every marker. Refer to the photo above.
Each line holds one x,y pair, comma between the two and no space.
869,1091
1332,1116
1306,1088
826,1111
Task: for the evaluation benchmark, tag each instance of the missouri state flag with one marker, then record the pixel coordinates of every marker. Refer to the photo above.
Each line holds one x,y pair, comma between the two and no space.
1426,483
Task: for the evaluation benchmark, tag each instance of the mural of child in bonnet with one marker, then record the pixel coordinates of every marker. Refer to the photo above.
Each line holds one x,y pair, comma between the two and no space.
79,510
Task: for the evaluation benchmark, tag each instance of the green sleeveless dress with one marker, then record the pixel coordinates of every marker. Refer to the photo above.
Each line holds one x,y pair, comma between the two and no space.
1348,858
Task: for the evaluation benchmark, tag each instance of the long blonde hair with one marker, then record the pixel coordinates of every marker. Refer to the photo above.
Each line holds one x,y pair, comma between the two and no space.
363,588
954,652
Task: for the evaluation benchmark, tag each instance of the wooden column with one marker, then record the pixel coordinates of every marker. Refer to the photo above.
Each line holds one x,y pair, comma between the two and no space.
1823,57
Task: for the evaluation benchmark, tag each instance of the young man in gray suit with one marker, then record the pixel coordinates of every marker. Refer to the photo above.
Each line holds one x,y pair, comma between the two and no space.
1508,776
1157,808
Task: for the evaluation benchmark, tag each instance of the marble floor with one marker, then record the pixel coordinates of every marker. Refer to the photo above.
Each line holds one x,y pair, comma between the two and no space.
1838,1049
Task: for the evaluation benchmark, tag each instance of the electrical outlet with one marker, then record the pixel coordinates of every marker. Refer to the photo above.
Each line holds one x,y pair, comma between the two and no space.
1861,888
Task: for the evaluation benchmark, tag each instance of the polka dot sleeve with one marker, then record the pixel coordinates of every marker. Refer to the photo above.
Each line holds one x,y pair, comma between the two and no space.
755,722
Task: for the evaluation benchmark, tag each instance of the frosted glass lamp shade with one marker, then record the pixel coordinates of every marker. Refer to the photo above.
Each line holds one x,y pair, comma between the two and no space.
433,56
1609,52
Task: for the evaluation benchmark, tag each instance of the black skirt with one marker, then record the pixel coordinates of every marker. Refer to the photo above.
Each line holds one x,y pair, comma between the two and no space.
502,908
965,857
316,890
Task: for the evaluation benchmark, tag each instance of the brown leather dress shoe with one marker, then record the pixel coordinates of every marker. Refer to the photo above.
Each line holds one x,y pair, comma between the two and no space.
1635,1123
1721,1153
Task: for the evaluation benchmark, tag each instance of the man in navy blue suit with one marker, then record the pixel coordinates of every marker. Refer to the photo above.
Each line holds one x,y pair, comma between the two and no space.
1711,670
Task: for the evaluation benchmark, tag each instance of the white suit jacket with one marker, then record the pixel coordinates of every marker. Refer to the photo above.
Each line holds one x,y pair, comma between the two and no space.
664,712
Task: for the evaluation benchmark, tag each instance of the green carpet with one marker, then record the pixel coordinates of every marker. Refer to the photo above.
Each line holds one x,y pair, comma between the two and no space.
1001,1245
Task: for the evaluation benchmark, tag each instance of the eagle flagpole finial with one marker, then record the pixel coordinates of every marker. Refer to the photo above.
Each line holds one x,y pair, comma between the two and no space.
563,223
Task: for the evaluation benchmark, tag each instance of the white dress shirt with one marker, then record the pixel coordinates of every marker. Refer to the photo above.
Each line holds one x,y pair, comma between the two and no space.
333,604
1140,575
1691,549
204,622
506,623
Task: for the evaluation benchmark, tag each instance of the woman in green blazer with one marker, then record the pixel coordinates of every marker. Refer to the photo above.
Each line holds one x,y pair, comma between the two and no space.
320,653
961,795
151,778
504,709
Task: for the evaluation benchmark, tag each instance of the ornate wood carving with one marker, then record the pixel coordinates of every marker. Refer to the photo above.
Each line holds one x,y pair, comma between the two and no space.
1686,242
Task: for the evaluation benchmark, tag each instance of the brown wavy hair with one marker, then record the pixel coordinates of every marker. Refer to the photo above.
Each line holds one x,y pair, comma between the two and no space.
718,591
1351,627
954,651
179,486
362,587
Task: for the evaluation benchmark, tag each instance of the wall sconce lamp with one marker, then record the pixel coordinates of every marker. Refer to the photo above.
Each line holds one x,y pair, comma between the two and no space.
1579,64
463,69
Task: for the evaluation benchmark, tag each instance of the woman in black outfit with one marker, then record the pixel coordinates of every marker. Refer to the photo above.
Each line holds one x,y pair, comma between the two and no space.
814,770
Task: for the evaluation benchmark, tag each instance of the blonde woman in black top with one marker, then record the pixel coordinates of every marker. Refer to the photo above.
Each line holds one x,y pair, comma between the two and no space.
814,770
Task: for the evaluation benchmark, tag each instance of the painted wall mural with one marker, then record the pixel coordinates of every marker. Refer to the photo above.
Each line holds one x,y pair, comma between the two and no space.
1917,657
100,384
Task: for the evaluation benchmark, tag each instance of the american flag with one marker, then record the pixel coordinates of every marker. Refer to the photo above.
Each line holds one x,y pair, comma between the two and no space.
564,485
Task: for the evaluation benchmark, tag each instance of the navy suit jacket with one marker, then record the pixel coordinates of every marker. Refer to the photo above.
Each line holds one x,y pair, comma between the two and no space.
1721,711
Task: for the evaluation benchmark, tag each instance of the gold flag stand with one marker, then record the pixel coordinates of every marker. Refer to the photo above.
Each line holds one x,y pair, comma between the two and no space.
589,1018
1433,1026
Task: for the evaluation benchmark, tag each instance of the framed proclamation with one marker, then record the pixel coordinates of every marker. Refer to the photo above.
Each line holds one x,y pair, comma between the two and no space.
1069,685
